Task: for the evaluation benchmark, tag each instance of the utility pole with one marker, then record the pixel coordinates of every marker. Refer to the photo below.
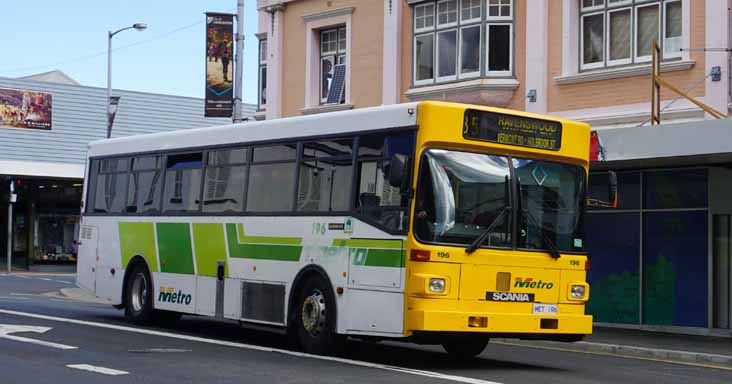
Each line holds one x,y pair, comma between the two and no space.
238,61
11,200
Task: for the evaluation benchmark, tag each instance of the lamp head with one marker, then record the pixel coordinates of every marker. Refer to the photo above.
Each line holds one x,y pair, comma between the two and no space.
140,26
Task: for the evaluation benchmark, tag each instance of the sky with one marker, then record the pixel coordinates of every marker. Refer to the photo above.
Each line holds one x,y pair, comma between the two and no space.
71,35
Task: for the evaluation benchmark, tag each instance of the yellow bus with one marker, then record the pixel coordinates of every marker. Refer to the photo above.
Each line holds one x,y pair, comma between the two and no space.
428,222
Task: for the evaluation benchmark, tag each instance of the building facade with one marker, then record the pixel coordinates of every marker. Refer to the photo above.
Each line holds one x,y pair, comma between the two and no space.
45,159
661,261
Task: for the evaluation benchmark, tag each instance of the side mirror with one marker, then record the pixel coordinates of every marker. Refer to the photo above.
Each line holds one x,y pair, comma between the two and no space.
397,165
612,189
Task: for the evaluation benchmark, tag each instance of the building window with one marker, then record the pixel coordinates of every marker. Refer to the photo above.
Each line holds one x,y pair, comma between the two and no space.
620,32
458,39
262,92
332,52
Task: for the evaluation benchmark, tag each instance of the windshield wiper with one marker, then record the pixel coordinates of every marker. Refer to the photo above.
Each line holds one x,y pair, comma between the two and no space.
475,244
553,250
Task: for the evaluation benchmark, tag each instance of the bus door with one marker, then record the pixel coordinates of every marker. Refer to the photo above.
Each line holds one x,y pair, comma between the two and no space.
87,258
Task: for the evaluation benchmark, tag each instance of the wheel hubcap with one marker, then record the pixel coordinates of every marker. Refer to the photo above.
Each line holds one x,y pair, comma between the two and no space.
139,292
313,313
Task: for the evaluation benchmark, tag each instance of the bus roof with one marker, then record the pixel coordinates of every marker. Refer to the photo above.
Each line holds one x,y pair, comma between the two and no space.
363,119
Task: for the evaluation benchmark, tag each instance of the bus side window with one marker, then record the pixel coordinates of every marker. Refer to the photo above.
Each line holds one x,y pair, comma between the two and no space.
376,199
145,185
110,189
183,182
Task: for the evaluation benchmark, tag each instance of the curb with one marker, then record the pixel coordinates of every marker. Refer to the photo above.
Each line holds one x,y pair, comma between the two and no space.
79,294
627,350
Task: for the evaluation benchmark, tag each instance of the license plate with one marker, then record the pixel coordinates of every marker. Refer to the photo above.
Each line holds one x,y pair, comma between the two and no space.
545,309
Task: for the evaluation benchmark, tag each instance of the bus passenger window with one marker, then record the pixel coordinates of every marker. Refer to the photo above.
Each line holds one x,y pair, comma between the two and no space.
111,186
225,180
146,183
183,182
326,171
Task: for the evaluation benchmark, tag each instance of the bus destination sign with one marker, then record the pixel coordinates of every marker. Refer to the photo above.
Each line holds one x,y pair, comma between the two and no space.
512,130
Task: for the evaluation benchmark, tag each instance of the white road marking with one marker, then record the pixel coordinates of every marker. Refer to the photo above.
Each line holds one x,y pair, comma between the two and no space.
43,278
7,329
94,368
14,298
417,372
63,282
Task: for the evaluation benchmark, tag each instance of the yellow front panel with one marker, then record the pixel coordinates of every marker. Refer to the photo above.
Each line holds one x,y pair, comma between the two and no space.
471,278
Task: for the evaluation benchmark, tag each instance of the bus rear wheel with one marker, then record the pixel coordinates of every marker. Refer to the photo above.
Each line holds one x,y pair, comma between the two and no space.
314,318
465,349
139,308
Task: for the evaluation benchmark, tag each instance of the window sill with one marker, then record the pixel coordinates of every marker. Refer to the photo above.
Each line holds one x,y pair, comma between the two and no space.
260,115
485,91
615,73
326,108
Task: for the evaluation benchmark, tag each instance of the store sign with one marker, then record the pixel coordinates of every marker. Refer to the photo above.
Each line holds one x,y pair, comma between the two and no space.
219,65
25,109
512,130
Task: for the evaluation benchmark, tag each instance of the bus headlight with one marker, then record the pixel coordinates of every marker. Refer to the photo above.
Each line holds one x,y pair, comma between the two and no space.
577,292
437,285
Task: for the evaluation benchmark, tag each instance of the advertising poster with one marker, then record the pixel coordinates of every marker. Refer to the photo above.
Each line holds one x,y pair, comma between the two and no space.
219,65
25,109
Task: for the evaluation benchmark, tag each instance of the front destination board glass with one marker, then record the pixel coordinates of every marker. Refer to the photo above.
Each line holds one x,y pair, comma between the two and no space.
512,130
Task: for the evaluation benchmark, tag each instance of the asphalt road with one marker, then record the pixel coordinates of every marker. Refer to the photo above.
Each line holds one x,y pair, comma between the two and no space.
198,350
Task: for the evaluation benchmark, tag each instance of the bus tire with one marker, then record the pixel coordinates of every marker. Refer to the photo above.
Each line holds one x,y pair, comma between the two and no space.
139,290
314,318
465,349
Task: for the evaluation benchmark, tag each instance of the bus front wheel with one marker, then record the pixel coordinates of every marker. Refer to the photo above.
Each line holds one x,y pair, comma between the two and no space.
314,318
465,349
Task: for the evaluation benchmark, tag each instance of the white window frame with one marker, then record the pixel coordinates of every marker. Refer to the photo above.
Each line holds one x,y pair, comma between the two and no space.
600,64
592,8
437,14
473,20
442,79
677,54
434,17
511,39
334,55
618,4
646,58
414,60
262,65
490,18
609,61
469,75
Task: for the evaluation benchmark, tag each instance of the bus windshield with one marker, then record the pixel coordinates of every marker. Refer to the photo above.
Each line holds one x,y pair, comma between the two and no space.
461,194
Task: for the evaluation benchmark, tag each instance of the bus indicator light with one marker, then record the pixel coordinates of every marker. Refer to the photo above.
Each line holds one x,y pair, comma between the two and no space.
419,255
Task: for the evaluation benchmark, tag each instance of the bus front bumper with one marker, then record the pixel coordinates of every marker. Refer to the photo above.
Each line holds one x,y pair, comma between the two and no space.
514,319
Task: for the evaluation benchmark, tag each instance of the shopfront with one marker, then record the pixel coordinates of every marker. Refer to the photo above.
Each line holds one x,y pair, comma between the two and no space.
661,259
45,127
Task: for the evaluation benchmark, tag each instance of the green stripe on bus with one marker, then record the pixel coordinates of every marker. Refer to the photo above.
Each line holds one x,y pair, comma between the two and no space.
273,249
210,246
385,258
174,245
244,239
368,243
138,239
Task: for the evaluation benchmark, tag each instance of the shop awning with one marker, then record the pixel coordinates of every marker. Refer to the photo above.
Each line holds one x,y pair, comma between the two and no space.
666,145
41,169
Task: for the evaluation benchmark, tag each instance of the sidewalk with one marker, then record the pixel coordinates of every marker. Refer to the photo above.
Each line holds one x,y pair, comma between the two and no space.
655,345
43,270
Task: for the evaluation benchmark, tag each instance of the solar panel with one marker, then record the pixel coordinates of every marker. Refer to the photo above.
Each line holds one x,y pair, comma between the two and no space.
338,85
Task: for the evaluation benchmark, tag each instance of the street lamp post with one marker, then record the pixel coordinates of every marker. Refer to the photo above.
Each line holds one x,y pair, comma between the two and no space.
110,34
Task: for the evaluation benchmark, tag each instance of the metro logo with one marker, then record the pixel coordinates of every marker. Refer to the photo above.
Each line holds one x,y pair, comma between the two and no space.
169,295
528,282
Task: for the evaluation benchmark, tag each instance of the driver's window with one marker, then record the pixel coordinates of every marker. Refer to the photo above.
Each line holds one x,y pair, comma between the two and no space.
376,198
